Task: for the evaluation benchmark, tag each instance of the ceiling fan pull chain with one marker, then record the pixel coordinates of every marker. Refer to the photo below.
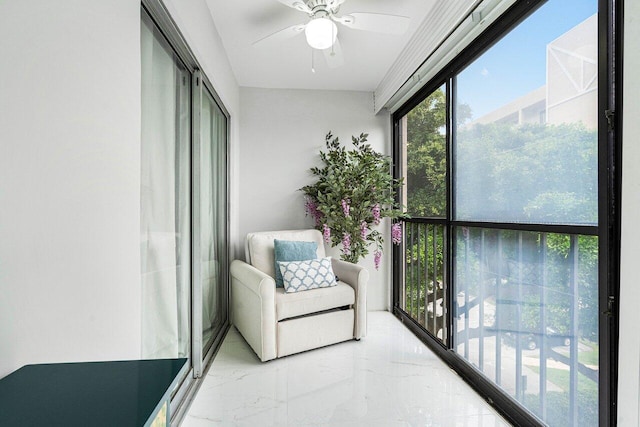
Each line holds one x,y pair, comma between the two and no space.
313,69
333,38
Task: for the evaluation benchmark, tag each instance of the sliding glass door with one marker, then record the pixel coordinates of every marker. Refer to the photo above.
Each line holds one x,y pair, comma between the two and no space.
213,223
183,224
165,225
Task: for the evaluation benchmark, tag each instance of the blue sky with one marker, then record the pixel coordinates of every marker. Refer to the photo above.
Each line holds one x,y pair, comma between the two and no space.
516,64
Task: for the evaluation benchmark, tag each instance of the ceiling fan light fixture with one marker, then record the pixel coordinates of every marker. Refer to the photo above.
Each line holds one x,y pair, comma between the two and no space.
321,33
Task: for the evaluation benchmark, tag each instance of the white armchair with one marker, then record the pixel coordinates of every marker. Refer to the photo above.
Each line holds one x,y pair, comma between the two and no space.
276,323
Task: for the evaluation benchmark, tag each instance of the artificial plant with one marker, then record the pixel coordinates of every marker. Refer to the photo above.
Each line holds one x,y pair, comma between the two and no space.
353,193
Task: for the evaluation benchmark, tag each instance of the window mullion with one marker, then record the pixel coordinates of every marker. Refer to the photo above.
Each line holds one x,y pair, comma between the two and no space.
450,301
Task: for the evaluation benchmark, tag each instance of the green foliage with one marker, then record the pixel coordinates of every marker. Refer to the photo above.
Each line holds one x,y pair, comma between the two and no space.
557,402
533,172
427,155
561,250
537,172
352,185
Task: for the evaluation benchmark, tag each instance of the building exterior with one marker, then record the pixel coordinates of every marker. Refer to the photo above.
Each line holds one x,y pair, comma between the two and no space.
572,84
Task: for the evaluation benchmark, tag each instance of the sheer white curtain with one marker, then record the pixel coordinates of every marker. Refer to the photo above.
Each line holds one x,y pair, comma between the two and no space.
165,222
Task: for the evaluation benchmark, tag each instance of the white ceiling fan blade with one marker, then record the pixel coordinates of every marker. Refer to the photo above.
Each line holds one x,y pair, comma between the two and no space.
334,4
378,22
281,35
333,55
296,4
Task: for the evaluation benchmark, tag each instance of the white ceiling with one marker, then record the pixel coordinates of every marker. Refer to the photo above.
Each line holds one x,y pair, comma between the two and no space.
287,64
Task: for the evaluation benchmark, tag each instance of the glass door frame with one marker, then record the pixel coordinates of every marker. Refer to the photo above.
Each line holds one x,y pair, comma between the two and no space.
607,230
200,356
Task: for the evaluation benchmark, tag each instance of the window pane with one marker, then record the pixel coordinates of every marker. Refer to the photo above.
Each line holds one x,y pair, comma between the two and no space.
213,132
526,122
165,224
527,317
424,146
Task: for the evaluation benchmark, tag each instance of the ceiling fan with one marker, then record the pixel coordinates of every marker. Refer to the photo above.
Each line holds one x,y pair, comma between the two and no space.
321,30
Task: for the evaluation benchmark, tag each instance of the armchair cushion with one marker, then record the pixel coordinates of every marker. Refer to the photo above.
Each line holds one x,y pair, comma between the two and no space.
301,276
291,250
259,247
301,303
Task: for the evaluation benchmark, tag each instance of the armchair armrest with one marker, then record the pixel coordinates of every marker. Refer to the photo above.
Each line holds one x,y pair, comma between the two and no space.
253,308
356,277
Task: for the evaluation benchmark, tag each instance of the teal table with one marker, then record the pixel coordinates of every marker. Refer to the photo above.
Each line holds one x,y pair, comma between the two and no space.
125,393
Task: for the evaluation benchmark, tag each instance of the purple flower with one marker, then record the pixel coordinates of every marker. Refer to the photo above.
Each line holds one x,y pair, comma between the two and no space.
396,233
363,230
345,207
311,208
376,259
376,214
326,233
346,243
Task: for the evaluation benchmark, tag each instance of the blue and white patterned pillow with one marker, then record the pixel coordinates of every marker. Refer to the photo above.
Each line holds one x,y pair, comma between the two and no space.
305,275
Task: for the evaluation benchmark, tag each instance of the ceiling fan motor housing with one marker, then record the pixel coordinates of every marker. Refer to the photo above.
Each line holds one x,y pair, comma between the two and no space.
322,8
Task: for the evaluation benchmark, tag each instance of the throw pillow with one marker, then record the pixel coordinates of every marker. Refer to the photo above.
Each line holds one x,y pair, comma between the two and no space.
286,250
305,275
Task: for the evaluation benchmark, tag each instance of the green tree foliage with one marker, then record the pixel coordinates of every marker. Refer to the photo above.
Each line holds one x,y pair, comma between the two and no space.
427,155
537,173
540,173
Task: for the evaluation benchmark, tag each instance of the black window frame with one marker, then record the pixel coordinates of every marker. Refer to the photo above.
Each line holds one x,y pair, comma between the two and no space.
610,19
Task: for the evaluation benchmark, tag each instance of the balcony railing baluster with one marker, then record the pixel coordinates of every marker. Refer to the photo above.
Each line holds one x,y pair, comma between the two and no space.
519,387
575,321
419,274
426,275
467,276
499,309
434,281
411,272
482,297
543,327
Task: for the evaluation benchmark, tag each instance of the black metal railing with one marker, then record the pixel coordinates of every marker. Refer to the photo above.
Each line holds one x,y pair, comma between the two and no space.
424,295
523,307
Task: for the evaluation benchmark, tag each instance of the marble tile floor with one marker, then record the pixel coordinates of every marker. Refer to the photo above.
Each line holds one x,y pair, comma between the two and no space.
389,378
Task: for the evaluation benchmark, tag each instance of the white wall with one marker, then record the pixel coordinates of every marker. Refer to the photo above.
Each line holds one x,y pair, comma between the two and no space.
629,358
70,173
69,181
282,133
